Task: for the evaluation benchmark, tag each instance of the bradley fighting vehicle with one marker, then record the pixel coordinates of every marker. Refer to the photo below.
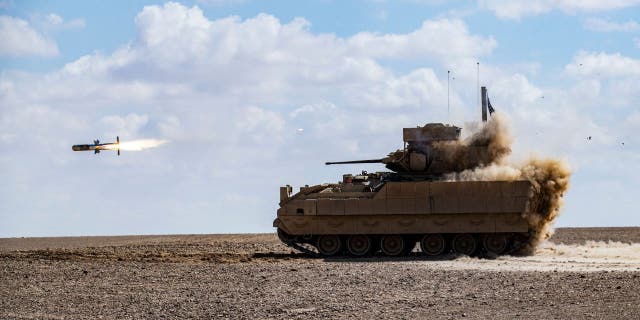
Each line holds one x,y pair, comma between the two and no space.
392,211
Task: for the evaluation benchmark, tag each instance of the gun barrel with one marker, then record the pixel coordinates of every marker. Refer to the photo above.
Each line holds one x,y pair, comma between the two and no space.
355,161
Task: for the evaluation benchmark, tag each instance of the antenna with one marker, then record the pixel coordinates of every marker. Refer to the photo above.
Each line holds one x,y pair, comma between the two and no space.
478,85
448,79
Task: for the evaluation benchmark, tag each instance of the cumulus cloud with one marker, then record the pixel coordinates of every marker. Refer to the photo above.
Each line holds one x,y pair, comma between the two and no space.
603,65
518,9
261,125
323,107
451,36
180,53
126,126
420,88
19,38
177,40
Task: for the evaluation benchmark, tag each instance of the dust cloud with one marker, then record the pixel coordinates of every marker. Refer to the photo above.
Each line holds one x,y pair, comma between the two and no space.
549,177
491,144
606,250
589,256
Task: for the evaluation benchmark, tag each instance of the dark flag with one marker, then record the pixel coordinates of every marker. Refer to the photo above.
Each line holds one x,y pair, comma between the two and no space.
491,109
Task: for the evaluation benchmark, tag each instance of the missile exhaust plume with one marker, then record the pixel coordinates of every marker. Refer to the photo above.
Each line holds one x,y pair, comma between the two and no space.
137,145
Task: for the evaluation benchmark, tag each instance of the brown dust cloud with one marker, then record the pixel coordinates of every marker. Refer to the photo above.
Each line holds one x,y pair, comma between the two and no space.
549,177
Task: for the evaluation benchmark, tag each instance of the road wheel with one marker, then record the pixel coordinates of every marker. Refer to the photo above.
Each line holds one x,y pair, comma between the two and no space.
433,244
464,244
359,245
392,245
328,245
495,243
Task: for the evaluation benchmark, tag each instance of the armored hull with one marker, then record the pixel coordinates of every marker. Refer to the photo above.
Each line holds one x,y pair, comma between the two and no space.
367,214
362,217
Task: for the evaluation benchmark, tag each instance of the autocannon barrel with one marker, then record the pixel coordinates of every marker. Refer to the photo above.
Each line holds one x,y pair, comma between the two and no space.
356,161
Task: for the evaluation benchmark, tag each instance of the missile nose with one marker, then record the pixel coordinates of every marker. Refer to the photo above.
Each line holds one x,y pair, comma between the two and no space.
80,147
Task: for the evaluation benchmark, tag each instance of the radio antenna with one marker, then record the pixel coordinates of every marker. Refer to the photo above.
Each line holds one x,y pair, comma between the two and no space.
478,85
448,80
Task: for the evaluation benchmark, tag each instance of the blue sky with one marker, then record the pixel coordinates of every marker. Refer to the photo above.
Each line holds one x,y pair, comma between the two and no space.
229,83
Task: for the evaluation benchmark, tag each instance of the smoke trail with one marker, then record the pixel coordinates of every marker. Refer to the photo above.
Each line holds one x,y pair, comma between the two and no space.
549,178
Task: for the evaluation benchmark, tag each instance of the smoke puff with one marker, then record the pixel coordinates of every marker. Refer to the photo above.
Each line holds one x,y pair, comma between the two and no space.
490,144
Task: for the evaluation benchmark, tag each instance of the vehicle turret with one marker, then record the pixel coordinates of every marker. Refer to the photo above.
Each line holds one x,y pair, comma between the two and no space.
435,149
430,150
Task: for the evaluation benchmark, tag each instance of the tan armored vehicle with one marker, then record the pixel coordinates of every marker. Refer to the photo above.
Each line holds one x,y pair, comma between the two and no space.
392,211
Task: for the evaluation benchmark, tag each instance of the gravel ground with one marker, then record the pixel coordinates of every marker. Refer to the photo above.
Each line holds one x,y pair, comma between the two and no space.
584,273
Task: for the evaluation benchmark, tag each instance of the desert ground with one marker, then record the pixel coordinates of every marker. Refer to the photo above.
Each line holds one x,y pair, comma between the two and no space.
591,273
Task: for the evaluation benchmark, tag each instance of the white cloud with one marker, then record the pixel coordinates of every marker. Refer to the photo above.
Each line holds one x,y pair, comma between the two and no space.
633,121
179,52
517,9
19,38
127,127
603,65
232,92
53,21
261,125
171,127
443,38
625,92
516,89
322,107
420,88
602,25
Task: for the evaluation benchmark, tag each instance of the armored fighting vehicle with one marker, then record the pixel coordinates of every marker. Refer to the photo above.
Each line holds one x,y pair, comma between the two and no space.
417,201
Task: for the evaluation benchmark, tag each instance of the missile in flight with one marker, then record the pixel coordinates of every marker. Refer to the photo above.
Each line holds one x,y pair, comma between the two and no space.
97,146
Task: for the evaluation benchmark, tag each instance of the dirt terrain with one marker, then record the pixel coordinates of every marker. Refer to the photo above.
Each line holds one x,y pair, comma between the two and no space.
580,273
